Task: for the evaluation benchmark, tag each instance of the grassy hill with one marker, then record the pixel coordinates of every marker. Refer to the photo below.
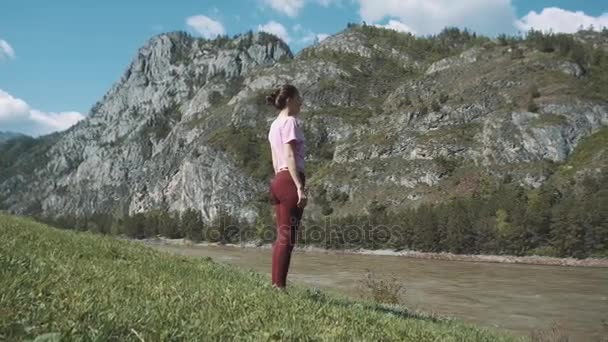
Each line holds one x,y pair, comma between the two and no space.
71,285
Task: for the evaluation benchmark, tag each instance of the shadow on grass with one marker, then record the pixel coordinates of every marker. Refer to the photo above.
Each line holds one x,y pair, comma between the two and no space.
394,310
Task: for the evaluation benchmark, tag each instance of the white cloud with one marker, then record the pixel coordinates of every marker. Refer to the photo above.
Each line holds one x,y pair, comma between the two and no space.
312,37
55,121
205,26
327,3
290,8
11,107
397,26
6,50
431,16
17,115
307,36
277,29
559,20
322,36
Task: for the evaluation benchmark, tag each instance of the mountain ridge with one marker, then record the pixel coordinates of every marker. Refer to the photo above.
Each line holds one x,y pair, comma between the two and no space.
388,115
8,135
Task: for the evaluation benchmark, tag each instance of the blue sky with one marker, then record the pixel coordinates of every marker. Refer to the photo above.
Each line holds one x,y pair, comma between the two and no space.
57,58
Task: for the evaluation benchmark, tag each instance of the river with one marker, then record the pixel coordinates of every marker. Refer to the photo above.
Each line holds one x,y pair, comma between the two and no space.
512,297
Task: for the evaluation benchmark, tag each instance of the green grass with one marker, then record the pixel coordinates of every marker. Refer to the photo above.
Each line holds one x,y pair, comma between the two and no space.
590,151
461,133
544,120
81,286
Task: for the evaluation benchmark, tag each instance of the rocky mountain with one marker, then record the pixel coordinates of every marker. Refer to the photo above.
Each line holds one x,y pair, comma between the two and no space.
389,118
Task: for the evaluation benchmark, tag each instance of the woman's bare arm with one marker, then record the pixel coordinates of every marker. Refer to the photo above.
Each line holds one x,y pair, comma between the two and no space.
274,161
291,163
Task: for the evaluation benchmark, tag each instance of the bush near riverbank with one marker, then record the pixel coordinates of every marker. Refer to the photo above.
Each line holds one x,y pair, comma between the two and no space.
82,286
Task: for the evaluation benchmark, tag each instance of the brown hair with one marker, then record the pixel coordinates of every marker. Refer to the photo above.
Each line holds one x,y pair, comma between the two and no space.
278,98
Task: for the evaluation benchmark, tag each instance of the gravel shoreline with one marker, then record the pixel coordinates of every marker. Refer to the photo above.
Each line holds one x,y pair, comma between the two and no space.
503,259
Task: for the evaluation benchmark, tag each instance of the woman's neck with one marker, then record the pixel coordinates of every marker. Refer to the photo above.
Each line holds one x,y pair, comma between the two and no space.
284,113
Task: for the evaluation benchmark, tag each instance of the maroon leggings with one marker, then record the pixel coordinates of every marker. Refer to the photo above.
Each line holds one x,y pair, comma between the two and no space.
284,196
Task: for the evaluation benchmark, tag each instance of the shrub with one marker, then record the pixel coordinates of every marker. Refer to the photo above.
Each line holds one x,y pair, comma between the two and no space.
534,93
435,106
192,224
517,53
224,228
423,110
503,39
446,165
531,106
387,290
555,333
134,226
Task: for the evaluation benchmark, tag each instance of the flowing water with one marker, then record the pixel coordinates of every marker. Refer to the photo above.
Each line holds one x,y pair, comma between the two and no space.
516,298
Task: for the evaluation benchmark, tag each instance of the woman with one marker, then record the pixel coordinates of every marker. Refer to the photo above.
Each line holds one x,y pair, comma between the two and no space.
287,192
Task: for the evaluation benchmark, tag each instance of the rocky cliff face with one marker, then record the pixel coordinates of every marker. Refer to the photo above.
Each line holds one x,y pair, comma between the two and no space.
135,152
388,117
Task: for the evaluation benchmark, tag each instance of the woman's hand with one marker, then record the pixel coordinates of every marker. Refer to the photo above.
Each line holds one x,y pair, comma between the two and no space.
302,199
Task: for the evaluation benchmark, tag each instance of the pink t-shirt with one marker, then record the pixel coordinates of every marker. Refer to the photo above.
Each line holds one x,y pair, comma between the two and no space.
282,131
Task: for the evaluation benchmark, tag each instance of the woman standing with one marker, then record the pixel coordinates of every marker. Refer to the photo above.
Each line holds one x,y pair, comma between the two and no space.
287,192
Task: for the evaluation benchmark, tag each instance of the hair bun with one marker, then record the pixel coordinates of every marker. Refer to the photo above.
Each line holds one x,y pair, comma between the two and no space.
271,99
278,98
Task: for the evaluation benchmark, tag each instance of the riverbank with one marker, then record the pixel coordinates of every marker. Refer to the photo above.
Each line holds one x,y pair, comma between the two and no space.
503,259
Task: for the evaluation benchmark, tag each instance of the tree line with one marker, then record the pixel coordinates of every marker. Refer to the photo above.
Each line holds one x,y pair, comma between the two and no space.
564,221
